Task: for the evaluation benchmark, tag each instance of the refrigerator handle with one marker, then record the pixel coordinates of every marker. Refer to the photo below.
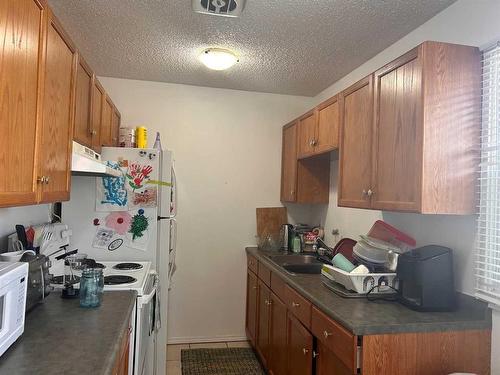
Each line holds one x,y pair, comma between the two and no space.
173,213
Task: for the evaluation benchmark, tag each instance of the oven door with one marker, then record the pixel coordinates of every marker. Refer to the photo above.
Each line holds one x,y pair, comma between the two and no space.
146,328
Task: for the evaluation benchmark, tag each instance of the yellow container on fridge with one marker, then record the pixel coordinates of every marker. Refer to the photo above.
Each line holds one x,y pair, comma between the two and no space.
141,137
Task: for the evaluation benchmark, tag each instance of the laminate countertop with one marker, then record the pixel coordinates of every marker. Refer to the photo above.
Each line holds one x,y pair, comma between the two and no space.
60,337
363,317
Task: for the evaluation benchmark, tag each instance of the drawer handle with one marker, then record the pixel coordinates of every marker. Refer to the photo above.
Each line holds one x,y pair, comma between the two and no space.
295,304
267,302
327,334
315,354
254,287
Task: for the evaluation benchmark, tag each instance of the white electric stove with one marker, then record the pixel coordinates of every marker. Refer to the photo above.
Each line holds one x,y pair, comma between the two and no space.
136,276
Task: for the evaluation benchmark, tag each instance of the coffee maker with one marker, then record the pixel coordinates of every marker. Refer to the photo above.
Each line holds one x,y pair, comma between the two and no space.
426,279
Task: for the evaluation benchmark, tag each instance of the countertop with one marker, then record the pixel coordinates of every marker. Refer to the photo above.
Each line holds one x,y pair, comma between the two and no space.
363,317
60,337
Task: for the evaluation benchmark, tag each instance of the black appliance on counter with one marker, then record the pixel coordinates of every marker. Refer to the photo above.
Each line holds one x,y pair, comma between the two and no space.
426,280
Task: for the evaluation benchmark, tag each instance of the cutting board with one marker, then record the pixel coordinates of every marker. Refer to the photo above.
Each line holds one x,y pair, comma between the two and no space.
270,219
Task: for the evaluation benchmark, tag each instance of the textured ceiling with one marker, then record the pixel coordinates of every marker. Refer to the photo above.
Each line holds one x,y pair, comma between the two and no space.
285,46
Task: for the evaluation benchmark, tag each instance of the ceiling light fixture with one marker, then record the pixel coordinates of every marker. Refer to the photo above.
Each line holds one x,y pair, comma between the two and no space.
218,58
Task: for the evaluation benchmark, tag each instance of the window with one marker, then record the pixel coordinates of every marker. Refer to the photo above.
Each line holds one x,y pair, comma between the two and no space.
488,235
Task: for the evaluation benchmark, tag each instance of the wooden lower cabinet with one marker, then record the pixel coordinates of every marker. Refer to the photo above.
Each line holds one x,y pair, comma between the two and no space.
277,338
327,363
121,366
294,341
252,299
299,348
263,321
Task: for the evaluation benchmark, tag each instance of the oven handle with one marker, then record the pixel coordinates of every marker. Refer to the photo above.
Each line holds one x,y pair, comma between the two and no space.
145,299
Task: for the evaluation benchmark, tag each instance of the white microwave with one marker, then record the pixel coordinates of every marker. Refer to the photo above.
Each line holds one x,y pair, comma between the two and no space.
13,286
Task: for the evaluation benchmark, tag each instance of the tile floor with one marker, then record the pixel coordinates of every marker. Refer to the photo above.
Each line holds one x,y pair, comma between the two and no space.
174,352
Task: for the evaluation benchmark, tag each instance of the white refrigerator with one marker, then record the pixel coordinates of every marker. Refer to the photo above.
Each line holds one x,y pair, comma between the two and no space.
130,218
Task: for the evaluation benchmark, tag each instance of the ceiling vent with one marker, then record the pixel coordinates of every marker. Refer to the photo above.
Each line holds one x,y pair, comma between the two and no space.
228,8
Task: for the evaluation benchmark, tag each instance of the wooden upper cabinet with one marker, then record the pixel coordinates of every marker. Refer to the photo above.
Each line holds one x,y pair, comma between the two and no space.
300,348
397,138
83,104
21,23
289,164
418,151
356,114
115,126
58,113
327,134
307,134
107,122
98,95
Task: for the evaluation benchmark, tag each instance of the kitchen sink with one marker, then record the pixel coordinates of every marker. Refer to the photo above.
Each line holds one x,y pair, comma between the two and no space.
298,263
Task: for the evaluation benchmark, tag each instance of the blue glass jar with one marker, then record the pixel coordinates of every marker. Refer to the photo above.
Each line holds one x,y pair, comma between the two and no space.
91,287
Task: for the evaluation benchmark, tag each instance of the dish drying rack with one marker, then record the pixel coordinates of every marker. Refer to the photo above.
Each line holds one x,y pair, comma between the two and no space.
362,283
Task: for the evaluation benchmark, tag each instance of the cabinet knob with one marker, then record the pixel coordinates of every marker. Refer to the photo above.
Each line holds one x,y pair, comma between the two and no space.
311,142
305,351
364,192
268,302
315,354
254,287
93,132
41,179
314,142
47,179
295,304
327,334
370,192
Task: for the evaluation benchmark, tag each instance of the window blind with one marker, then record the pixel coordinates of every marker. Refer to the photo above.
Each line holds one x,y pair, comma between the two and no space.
488,226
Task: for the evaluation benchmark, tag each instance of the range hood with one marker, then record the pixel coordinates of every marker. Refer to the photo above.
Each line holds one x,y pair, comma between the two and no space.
87,162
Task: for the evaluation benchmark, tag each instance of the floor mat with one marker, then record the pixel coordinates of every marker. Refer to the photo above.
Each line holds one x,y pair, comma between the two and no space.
227,361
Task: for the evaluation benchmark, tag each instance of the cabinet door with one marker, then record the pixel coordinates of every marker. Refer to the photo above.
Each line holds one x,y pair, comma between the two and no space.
300,347
328,126
58,114
327,363
107,122
306,139
21,40
115,126
98,95
397,140
263,322
278,347
83,116
289,164
251,316
356,104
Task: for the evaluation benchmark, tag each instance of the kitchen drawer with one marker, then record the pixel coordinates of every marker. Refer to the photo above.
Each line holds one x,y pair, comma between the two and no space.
298,306
336,338
265,274
278,286
252,264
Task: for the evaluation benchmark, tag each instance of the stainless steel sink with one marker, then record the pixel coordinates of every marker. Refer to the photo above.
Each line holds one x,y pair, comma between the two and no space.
298,263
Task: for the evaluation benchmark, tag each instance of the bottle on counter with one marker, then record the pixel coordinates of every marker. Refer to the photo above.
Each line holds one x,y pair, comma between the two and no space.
296,244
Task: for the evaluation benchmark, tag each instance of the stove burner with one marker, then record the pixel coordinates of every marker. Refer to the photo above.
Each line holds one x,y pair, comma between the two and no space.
118,279
58,280
127,266
91,263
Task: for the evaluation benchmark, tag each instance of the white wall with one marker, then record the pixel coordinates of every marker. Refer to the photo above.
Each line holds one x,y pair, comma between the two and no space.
227,147
29,215
465,22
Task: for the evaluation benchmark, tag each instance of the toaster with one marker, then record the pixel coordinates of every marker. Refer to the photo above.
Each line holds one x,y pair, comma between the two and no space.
38,279
426,280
